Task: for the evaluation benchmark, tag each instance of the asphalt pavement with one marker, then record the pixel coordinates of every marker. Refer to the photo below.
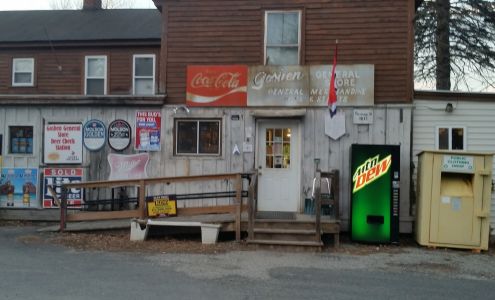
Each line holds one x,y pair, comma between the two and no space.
32,270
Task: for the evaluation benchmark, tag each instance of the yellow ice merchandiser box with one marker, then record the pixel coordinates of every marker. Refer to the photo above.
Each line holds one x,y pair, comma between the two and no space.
454,196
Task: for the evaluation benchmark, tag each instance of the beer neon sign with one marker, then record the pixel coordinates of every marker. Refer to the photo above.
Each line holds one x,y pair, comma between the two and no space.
369,171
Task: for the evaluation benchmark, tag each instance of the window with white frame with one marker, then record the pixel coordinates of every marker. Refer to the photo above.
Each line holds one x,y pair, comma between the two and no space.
197,137
144,74
96,75
23,72
282,37
451,138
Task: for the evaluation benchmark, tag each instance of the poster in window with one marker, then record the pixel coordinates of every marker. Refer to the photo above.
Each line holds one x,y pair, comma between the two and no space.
19,187
63,143
55,177
148,130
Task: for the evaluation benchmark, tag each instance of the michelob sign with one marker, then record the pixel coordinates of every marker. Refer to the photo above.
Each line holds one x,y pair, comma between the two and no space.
375,193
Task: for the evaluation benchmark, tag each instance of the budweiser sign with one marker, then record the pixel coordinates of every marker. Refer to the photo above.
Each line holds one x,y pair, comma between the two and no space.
217,85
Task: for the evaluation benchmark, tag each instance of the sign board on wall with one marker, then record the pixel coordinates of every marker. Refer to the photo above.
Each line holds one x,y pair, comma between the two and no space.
363,116
119,135
128,166
94,135
55,177
217,85
309,85
63,143
148,130
161,206
19,188
458,163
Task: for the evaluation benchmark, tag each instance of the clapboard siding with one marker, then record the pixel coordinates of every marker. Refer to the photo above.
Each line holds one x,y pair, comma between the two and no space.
49,79
315,144
477,117
231,32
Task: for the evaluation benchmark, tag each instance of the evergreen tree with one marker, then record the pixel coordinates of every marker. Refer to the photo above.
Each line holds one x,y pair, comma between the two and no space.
455,43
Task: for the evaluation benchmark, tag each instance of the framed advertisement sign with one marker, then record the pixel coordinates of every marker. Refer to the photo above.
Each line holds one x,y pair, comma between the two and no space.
148,130
55,177
128,166
161,206
119,135
217,85
19,188
94,135
63,143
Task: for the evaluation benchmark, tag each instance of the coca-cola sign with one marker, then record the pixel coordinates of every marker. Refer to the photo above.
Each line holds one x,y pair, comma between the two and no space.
217,85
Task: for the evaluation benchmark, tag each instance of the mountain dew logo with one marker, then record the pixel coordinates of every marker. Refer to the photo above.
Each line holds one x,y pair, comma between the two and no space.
371,170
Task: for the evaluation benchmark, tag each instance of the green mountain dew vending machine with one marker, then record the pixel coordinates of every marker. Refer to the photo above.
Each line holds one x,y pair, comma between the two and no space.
375,171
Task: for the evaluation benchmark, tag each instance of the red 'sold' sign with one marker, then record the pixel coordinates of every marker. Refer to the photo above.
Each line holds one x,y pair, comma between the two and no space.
217,85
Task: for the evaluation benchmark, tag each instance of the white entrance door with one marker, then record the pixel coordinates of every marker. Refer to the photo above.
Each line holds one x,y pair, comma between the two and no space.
279,165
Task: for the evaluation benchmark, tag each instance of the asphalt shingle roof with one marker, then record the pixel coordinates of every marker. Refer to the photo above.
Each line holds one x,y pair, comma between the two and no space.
79,25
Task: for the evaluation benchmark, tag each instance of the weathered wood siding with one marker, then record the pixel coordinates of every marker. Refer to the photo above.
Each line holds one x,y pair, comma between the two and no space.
392,125
477,117
49,79
232,32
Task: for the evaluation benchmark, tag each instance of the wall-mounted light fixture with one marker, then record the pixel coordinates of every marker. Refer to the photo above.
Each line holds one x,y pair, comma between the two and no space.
449,108
183,107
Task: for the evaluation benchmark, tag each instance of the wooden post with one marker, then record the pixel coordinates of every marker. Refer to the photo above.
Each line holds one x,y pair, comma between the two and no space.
63,209
142,198
318,205
238,198
251,205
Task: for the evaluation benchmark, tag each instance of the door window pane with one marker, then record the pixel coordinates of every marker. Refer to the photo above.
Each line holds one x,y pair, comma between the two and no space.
277,148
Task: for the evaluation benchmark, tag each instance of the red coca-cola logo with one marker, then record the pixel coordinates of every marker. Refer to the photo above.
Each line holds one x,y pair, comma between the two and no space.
229,80
217,85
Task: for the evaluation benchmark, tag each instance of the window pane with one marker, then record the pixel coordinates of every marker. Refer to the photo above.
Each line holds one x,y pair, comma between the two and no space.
96,67
23,65
144,87
275,28
282,56
21,139
443,138
186,137
209,141
283,28
291,28
144,66
95,87
457,139
23,78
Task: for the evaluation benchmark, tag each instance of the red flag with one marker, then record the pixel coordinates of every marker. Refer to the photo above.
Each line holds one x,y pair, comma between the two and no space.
332,92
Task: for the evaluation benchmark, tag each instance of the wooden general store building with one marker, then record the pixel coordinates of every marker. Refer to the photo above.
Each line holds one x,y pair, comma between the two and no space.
241,86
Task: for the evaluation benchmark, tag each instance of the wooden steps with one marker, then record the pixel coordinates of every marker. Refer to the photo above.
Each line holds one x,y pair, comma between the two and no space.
286,233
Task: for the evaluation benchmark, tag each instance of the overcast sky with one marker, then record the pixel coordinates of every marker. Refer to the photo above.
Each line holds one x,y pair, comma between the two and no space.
45,4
